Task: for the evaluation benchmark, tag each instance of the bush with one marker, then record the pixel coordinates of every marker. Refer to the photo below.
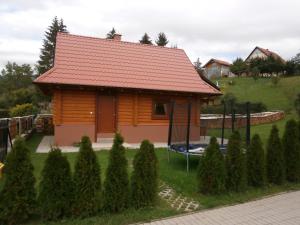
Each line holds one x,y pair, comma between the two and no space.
116,185
211,170
275,158
23,110
18,196
256,162
55,190
291,147
87,182
235,164
297,104
144,179
4,113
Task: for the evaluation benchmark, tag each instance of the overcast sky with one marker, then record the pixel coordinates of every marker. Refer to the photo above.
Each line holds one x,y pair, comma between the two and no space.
223,29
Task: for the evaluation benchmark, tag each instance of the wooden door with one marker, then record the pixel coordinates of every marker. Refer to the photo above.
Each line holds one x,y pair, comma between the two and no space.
106,114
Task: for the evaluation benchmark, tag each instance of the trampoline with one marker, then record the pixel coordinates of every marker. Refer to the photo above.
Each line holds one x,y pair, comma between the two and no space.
180,138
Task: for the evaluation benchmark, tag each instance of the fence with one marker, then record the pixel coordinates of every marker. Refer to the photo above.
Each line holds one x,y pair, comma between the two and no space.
10,128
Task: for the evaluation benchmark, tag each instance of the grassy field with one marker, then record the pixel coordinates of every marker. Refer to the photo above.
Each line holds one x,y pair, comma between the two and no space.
275,97
173,173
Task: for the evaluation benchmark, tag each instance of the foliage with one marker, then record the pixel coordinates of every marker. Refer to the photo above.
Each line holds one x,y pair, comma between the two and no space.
275,158
23,110
256,162
18,196
144,179
211,170
87,182
292,66
255,73
146,39
267,65
4,113
235,164
291,147
16,86
56,187
162,39
198,67
110,34
116,184
47,54
238,67
297,104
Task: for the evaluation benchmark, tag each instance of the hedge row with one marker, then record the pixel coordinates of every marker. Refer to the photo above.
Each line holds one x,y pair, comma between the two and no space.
63,194
253,167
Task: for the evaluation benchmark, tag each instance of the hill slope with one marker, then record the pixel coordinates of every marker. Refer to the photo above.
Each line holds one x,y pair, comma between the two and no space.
276,97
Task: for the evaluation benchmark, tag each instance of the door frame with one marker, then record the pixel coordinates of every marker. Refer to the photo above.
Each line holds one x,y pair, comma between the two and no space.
115,97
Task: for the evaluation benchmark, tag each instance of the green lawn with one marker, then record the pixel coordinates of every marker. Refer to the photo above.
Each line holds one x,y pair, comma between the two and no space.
173,173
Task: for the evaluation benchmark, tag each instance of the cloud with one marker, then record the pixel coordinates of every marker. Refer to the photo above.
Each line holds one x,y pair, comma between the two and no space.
205,29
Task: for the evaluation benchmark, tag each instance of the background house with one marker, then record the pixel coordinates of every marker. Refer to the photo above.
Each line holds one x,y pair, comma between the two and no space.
100,86
263,53
215,68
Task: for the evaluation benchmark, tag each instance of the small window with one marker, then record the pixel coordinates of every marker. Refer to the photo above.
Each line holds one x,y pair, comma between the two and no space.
160,109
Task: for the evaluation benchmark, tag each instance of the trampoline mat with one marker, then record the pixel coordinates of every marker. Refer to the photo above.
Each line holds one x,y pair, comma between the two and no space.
193,148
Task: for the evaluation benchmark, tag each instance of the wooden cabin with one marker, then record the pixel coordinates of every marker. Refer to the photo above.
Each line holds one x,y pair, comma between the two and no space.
216,68
100,86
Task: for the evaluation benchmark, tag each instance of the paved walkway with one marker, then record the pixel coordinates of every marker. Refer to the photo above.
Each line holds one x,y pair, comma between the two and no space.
283,209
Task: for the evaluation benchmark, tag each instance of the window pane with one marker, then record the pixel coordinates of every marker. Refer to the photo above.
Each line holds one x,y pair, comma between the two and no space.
160,109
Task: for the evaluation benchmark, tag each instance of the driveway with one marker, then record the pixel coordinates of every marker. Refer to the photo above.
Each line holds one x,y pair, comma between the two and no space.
281,209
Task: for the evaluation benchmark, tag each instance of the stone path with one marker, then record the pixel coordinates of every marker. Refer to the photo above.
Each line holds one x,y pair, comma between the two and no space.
177,201
283,209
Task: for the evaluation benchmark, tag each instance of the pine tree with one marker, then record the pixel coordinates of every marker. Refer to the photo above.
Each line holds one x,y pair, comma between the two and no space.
144,179
275,158
211,170
256,162
162,39
87,182
110,34
18,196
56,187
291,148
235,164
47,55
146,39
116,184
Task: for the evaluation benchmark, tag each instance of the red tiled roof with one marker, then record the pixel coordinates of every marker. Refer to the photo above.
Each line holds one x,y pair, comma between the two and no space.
217,61
101,62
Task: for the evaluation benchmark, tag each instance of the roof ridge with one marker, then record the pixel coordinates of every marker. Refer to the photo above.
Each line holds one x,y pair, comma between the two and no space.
124,42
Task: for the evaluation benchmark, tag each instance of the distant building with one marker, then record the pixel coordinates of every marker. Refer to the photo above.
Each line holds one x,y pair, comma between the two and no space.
259,52
215,68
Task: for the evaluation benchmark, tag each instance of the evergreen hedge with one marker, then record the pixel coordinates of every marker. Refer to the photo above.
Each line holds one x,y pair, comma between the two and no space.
116,184
56,187
291,147
87,181
256,163
235,164
18,196
211,170
144,179
275,158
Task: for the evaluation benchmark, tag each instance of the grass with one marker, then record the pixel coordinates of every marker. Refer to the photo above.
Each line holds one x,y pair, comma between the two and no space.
172,172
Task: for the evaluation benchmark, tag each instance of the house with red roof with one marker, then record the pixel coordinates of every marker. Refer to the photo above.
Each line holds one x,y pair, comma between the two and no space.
217,68
100,86
263,53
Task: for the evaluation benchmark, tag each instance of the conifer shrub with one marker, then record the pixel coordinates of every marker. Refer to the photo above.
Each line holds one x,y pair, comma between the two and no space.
56,187
18,196
116,184
211,170
144,179
87,181
256,162
275,158
291,148
235,164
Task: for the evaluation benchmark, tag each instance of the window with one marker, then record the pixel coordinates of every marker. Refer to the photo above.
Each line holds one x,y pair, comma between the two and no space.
160,109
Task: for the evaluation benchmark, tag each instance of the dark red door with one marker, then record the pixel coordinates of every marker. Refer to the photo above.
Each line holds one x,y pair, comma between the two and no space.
106,114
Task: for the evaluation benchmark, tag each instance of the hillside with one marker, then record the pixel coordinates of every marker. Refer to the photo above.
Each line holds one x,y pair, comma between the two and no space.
275,97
